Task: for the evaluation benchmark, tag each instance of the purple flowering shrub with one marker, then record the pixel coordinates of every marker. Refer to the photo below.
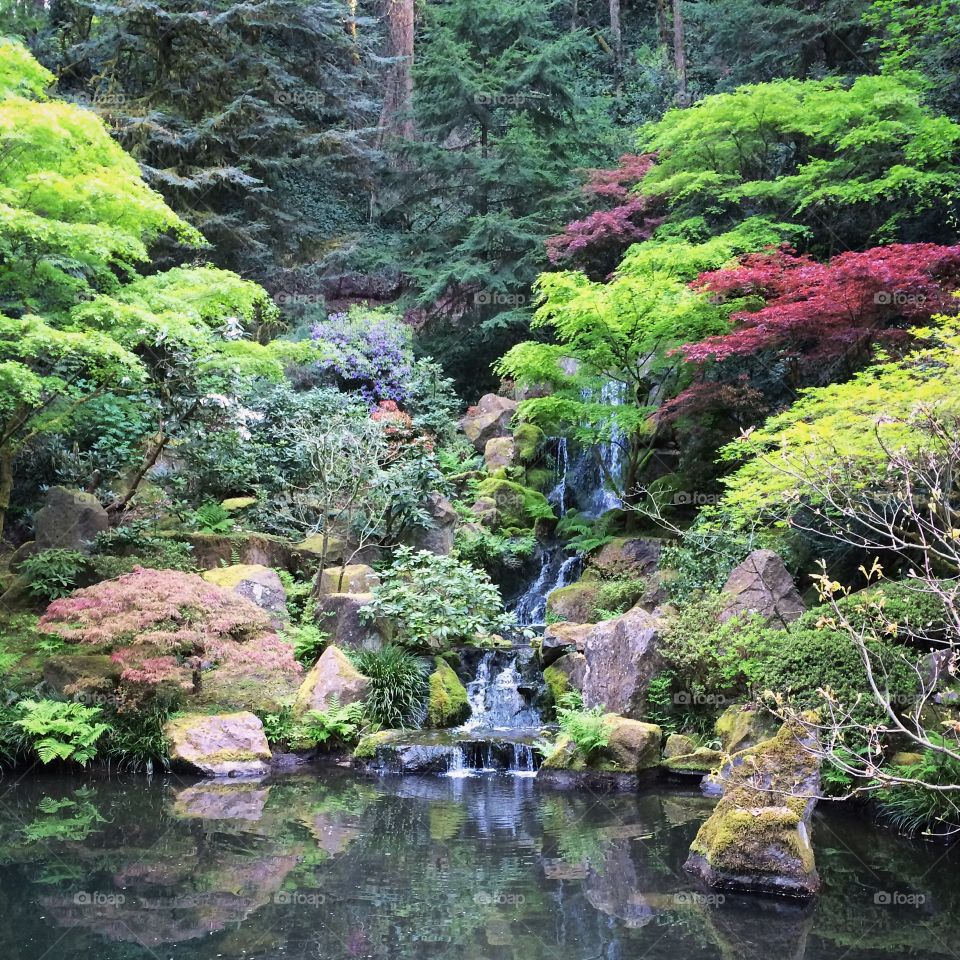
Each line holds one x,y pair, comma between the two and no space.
373,353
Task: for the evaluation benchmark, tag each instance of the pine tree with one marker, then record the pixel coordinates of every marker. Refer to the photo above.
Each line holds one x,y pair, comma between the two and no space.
252,120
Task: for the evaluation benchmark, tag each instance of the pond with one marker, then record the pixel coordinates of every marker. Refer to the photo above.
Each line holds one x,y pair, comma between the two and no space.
331,865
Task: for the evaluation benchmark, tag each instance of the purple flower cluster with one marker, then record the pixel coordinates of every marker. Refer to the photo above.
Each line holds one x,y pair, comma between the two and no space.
373,353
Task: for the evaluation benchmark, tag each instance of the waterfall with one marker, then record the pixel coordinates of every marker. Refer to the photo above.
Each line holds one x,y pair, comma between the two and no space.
558,495
612,456
496,702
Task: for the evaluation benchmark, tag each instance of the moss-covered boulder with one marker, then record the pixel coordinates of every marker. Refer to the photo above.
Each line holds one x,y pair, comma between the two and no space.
499,454
632,747
528,440
236,504
575,603
352,578
678,744
332,676
627,557
565,675
699,762
518,507
221,745
447,705
338,614
758,837
741,726
257,583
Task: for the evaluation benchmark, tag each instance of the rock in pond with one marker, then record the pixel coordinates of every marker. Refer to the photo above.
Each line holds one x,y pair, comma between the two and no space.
763,585
698,763
333,675
758,838
222,801
220,745
632,749
743,725
622,658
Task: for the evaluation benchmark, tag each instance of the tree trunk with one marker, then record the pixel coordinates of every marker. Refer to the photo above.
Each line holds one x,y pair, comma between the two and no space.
663,27
616,37
680,55
6,485
574,14
117,507
395,119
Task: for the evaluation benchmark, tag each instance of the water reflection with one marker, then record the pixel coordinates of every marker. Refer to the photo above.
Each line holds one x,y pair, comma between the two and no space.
333,866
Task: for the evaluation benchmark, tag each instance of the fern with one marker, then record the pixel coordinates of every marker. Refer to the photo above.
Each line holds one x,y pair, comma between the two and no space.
62,730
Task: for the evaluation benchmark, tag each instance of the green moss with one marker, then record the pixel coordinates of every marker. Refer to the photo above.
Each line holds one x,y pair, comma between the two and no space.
528,439
557,683
447,704
575,603
517,506
702,760
540,478
366,749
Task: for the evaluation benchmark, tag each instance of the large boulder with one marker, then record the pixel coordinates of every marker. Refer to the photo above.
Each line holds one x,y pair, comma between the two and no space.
632,747
623,557
499,453
224,745
488,419
333,675
352,578
338,615
622,658
562,638
762,585
257,583
447,705
758,838
438,537
68,520
742,726
575,603
565,675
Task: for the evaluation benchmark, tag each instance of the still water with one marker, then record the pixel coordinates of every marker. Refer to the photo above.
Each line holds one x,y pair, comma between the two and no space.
330,865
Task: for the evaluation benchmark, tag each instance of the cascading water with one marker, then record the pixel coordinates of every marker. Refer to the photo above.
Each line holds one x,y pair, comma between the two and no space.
496,702
592,475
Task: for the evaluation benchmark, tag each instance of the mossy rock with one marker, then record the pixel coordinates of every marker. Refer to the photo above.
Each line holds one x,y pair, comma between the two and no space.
528,442
699,762
447,705
739,727
575,603
632,747
758,838
558,683
517,506
225,745
366,749
677,745
236,504
539,478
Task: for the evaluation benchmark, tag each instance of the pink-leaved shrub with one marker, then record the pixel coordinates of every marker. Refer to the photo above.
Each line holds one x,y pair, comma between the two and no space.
165,626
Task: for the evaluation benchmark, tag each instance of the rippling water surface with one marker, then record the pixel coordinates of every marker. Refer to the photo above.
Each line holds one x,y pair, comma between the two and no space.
330,865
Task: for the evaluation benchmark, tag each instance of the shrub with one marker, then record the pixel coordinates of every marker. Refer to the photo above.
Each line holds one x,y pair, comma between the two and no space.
588,729
54,573
617,596
492,551
278,727
434,601
133,545
399,686
309,641
61,730
137,740
160,625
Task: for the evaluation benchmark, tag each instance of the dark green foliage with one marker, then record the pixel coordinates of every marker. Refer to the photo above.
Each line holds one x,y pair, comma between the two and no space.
502,123
750,41
702,559
136,740
253,124
54,573
399,686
